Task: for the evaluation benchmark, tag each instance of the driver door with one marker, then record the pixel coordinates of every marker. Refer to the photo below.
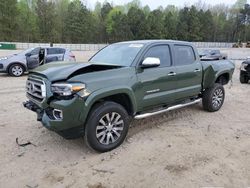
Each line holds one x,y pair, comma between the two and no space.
157,84
32,58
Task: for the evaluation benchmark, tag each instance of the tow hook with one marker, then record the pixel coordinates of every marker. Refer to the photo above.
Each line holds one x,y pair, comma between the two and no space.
33,107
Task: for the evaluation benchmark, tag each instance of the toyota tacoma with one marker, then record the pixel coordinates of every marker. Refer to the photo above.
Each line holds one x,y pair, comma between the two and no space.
125,80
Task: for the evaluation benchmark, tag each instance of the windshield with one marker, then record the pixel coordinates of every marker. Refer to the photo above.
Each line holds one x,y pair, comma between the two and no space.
121,54
26,51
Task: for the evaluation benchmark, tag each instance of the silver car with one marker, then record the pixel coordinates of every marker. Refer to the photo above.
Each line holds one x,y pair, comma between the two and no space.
17,64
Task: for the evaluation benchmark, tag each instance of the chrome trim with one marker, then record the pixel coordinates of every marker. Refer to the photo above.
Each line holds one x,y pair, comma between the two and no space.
60,111
151,61
153,91
36,88
142,116
171,74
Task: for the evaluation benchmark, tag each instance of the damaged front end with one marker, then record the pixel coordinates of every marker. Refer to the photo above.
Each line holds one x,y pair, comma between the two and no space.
57,93
61,114
35,108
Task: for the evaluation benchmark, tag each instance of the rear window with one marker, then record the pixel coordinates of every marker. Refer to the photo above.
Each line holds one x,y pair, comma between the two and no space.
184,55
55,51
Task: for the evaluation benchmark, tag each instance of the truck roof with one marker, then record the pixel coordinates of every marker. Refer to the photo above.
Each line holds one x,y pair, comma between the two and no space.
158,41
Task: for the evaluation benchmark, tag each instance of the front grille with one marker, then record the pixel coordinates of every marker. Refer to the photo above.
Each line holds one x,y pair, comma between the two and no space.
36,89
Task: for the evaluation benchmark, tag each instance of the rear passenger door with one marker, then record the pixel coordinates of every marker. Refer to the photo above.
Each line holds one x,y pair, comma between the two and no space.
188,72
55,54
156,85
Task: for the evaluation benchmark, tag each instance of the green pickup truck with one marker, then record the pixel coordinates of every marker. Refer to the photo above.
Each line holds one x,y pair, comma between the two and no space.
126,80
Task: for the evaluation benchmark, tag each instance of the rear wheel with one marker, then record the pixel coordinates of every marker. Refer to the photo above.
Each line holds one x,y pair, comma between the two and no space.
16,70
107,127
213,98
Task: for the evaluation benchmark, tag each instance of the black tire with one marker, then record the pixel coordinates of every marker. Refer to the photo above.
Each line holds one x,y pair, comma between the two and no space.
213,98
98,124
243,79
16,70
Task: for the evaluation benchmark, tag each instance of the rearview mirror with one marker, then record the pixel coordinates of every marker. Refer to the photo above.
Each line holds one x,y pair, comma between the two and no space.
151,62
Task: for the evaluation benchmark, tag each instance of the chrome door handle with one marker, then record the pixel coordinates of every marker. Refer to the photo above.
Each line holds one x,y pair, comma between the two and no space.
197,70
171,74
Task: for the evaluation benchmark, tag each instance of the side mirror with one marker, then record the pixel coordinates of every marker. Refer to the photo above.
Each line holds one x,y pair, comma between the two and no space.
151,62
28,54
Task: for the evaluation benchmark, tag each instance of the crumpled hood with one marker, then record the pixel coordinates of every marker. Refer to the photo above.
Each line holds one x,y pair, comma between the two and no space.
64,70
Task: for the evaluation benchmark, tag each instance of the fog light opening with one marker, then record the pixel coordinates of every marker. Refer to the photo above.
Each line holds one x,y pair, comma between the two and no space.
58,114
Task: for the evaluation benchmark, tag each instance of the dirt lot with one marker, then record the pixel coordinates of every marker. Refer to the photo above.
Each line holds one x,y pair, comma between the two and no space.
184,148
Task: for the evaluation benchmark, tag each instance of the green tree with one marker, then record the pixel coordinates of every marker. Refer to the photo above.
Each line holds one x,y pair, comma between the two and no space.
194,25
8,20
105,10
61,8
117,26
137,23
206,25
46,20
72,22
146,10
79,23
27,29
170,22
155,22
182,25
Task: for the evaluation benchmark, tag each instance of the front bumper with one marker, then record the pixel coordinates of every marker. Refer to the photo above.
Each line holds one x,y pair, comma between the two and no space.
2,67
70,125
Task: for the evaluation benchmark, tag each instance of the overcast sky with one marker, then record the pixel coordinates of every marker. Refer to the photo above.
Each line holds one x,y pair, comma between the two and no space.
156,3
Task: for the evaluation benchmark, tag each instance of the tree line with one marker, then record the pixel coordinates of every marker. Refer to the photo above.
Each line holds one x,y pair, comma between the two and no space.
70,21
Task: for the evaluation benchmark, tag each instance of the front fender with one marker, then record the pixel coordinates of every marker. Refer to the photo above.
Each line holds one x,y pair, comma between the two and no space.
106,92
16,62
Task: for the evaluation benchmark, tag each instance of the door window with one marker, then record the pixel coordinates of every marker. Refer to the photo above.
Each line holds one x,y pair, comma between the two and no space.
35,51
162,52
184,55
55,51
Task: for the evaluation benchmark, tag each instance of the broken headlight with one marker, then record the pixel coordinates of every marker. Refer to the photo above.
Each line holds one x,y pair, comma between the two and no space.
69,89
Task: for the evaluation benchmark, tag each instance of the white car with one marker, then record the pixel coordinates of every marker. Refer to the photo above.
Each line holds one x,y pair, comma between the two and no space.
17,64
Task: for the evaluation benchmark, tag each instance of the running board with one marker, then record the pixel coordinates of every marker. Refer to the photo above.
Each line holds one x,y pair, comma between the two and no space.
142,116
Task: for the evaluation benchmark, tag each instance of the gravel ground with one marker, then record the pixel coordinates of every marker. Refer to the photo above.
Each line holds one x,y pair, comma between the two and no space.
185,148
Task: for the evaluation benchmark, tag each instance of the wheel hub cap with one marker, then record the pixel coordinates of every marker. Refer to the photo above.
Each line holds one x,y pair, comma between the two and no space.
109,128
17,70
217,98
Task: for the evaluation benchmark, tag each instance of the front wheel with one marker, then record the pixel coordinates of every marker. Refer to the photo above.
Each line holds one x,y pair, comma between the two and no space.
16,70
107,126
213,98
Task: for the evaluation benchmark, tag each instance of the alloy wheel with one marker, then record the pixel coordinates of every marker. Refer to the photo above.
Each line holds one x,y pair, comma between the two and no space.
217,98
109,128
